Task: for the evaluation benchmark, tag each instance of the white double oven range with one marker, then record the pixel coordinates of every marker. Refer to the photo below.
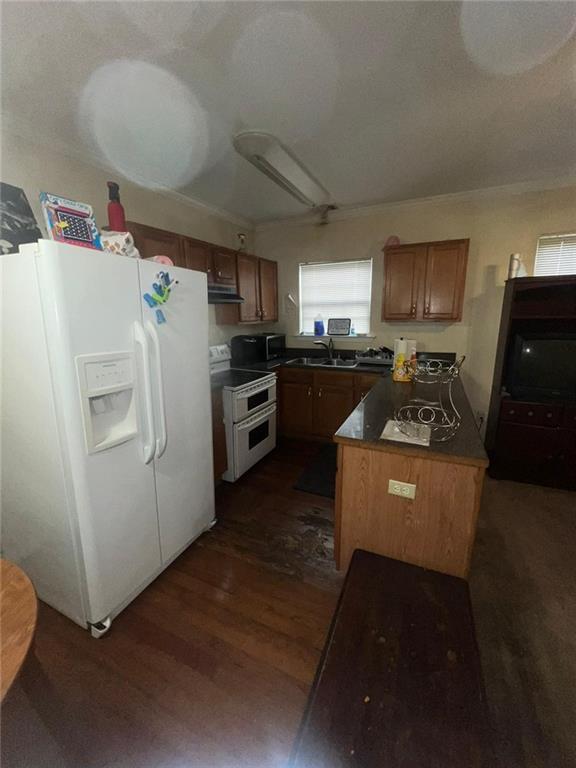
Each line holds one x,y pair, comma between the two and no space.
249,399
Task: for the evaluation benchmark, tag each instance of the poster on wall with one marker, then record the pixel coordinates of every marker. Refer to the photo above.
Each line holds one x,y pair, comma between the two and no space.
17,221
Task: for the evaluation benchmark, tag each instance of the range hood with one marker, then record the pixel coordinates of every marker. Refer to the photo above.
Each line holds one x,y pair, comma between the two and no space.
223,294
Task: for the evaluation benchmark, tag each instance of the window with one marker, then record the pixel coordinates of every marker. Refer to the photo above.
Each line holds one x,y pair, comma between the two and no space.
556,255
336,289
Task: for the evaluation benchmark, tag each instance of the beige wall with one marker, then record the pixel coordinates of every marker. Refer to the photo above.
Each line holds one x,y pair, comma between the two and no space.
498,223
38,168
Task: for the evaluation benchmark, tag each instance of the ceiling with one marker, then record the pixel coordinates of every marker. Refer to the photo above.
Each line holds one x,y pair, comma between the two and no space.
382,101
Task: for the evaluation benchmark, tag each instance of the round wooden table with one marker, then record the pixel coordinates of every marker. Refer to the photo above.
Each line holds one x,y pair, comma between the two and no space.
18,612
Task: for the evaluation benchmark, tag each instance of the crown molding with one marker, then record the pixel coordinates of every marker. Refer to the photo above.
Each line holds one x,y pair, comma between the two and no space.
373,209
20,130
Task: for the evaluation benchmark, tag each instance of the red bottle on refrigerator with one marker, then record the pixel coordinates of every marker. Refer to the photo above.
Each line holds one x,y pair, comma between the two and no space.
116,216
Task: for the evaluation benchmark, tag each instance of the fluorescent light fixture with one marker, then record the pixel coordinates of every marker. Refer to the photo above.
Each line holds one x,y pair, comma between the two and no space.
272,158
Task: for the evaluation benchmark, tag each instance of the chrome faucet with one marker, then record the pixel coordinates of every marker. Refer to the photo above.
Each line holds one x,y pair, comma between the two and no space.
329,347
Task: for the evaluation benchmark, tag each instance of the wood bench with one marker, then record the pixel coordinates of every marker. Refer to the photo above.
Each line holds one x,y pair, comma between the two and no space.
399,684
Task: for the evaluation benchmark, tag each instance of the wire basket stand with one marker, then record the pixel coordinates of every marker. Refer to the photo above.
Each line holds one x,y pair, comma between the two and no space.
441,416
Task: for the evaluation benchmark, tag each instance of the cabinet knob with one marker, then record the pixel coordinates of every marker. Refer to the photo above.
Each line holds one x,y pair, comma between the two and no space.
219,273
320,392
548,415
309,391
413,312
512,412
427,309
530,413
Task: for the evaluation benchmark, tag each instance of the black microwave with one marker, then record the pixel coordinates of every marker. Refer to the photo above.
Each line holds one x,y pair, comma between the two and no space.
257,348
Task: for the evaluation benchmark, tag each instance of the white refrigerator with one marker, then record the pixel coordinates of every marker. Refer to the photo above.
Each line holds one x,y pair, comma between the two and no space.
106,450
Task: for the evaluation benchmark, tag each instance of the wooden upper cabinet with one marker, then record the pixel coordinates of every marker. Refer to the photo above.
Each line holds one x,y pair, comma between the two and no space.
248,288
258,286
268,275
444,280
155,242
256,280
224,267
196,255
402,278
424,281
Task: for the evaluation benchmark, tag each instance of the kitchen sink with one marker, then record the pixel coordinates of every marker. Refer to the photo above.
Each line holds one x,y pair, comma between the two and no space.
323,361
340,363
306,361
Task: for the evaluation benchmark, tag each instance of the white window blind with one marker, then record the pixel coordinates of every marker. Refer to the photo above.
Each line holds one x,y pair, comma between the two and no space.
556,255
336,289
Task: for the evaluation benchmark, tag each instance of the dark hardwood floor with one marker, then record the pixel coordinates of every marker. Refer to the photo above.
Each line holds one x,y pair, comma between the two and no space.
211,665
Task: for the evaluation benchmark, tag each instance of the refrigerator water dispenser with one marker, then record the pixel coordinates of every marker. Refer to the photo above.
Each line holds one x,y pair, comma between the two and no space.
107,396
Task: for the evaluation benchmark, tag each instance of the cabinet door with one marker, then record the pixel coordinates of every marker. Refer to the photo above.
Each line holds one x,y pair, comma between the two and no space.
444,281
296,408
155,242
332,406
268,289
403,266
196,255
566,468
218,435
248,288
527,453
224,264
363,383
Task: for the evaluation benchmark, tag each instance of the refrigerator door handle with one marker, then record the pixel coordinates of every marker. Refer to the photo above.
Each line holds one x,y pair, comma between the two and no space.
149,444
162,439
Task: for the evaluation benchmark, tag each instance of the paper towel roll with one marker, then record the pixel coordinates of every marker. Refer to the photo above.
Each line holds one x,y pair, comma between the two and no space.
404,355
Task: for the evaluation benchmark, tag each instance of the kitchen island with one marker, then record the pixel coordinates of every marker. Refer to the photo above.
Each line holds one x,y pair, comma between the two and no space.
436,529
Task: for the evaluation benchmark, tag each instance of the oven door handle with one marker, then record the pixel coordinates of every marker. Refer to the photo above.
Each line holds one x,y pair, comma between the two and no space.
266,385
258,418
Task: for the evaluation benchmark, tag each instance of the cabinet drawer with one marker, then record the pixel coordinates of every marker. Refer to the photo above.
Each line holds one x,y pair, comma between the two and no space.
569,417
297,375
531,413
334,379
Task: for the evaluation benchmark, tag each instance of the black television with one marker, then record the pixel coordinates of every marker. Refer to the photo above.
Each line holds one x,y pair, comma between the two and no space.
542,367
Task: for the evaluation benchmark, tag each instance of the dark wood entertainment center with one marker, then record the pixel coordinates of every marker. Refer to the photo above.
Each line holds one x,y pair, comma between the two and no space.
533,439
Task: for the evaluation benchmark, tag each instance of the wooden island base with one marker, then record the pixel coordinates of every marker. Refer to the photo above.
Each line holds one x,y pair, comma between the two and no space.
435,530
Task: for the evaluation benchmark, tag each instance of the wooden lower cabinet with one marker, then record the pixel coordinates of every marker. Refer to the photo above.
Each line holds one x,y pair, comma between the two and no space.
333,401
315,403
434,530
363,383
218,435
296,408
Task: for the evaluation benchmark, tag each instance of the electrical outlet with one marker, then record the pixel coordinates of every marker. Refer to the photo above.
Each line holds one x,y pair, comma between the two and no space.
406,490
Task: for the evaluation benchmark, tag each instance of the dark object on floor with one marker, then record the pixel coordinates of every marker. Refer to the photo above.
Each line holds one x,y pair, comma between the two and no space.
399,683
320,476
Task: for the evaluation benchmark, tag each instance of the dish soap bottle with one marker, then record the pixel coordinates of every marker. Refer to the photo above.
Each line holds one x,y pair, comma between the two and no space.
318,326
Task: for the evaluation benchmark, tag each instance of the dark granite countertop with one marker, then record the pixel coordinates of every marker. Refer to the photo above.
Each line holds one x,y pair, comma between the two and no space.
365,424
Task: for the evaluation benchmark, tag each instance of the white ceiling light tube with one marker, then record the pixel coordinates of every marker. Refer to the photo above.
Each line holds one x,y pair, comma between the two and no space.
272,158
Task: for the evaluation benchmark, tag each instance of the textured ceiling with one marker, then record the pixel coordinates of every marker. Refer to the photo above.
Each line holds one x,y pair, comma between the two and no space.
382,101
